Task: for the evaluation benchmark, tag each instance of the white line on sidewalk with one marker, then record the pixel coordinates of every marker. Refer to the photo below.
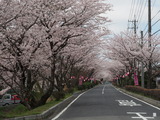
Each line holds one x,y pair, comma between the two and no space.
57,116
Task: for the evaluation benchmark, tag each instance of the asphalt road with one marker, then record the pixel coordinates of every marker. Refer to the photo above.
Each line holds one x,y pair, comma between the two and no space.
107,103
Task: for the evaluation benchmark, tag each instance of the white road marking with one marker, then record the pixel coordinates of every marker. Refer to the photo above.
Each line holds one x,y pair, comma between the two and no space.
57,116
103,89
154,114
130,103
138,99
140,115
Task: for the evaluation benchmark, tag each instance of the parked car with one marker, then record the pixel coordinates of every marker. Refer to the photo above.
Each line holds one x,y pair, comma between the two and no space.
8,99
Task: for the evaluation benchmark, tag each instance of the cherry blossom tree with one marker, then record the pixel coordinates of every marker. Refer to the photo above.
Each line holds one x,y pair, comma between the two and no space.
19,45
72,20
39,36
128,50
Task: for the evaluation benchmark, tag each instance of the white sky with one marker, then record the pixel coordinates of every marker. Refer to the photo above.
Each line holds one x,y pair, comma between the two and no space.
119,15
121,11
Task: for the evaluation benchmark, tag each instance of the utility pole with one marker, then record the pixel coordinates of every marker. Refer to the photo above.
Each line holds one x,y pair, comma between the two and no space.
135,35
134,26
149,84
149,23
142,66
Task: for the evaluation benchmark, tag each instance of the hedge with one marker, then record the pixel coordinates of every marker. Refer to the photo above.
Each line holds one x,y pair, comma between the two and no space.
86,85
153,93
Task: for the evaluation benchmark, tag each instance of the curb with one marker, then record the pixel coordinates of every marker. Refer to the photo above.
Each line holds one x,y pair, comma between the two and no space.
146,99
53,111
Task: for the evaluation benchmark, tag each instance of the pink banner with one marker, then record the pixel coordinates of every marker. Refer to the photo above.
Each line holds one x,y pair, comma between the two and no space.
81,80
73,77
135,79
127,74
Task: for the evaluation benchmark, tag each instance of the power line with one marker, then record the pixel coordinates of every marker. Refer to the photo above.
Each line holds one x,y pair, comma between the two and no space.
145,33
155,22
138,8
153,4
155,14
152,26
156,32
152,19
133,6
131,10
142,13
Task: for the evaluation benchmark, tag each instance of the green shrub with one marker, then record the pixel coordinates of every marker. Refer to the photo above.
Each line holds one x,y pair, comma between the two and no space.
80,87
153,93
86,85
58,95
70,90
156,94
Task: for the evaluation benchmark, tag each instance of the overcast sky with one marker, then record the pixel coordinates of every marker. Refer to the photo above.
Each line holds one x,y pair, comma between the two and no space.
121,13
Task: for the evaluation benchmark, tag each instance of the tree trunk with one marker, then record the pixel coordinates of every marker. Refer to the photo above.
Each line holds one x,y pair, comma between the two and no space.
49,92
44,98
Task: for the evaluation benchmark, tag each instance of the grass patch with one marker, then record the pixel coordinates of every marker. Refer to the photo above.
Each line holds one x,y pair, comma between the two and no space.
20,110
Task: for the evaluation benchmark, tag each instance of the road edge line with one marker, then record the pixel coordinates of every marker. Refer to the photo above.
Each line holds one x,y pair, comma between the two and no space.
59,114
137,99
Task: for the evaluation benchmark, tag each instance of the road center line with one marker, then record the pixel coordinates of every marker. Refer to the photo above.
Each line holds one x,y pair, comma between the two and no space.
57,116
103,89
